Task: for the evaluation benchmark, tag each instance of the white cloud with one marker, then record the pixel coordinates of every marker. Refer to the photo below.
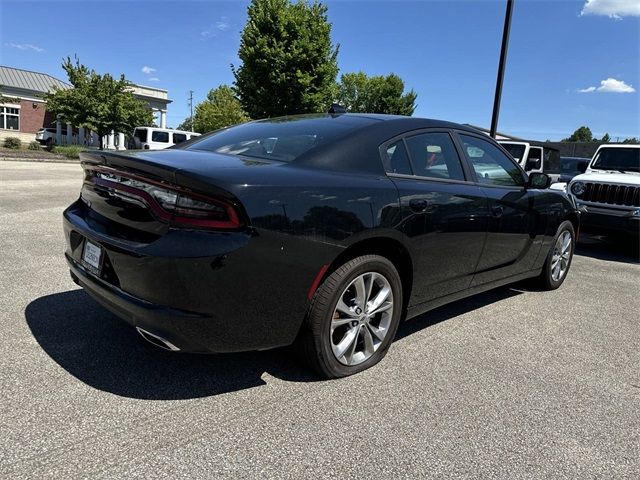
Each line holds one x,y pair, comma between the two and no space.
610,85
148,70
612,8
221,25
25,46
153,79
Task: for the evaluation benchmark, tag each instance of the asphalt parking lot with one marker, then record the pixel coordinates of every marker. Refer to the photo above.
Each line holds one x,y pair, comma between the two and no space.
508,384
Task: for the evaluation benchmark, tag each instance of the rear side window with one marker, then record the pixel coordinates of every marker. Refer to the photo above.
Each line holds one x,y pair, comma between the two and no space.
162,137
434,155
491,165
141,134
179,137
396,160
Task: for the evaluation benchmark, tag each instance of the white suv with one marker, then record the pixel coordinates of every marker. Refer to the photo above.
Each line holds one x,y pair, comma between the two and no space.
608,193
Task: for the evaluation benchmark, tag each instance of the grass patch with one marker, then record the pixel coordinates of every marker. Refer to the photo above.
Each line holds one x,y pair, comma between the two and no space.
69,151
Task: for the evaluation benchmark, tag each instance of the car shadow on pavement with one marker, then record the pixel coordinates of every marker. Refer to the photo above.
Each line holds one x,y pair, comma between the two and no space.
611,248
455,309
105,353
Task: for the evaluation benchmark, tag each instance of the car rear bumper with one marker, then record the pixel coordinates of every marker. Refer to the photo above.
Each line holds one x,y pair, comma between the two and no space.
162,321
205,292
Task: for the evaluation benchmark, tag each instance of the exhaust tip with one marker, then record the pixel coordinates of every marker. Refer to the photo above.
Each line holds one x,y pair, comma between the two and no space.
157,340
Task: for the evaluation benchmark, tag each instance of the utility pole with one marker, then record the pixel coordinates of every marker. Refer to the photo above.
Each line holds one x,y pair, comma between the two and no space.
501,65
191,107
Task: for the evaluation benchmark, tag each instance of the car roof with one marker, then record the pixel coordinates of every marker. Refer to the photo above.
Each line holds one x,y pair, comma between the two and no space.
619,145
358,150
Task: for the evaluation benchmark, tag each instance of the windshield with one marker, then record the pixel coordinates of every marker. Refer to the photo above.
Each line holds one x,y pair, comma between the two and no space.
283,139
619,159
516,150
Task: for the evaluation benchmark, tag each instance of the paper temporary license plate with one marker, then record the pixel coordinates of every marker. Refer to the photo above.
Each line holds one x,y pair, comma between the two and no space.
92,255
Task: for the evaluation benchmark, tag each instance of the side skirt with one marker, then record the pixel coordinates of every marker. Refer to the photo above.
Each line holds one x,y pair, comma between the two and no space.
416,310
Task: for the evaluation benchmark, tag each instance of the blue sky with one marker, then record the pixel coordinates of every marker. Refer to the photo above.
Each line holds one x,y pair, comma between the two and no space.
447,51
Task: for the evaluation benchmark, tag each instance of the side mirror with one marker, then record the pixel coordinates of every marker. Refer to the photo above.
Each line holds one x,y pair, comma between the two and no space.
539,180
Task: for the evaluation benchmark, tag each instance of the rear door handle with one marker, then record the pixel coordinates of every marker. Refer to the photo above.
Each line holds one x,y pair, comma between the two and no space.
497,211
418,205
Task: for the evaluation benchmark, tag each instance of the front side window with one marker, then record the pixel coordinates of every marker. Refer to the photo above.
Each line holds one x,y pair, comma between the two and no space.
396,160
534,159
10,118
491,165
434,155
161,137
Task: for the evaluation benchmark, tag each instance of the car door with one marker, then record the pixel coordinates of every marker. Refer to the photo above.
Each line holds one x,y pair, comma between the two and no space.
444,214
513,234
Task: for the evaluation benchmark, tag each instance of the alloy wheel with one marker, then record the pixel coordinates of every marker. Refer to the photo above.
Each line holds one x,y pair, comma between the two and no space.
561,256
361,318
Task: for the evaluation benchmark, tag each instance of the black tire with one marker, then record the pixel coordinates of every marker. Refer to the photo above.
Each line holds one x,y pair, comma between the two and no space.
546,281
314,340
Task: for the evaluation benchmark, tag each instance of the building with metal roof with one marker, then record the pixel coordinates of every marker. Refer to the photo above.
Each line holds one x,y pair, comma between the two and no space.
23,110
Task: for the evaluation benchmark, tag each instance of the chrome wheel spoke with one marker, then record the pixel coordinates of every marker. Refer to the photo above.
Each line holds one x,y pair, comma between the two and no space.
382,308
349,340
368,342
361,292
344,308
337,322
379,333
382,295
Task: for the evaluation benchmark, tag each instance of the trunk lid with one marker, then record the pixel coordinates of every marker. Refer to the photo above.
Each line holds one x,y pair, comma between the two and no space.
192,173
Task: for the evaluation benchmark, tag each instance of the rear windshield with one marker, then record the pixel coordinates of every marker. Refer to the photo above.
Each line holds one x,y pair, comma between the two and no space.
283,139
620,159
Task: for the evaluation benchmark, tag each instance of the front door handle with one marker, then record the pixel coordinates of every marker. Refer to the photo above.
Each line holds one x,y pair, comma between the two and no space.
497,211
418,205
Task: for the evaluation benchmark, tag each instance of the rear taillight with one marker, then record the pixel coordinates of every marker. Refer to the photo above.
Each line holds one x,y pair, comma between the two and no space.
169,203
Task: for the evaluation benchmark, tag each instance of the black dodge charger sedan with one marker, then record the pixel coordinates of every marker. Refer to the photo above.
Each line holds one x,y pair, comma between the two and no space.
323,231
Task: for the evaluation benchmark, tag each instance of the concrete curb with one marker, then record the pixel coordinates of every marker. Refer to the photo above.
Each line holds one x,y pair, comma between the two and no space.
39,160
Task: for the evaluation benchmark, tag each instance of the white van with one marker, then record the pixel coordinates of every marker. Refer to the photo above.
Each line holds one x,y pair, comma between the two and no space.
152,138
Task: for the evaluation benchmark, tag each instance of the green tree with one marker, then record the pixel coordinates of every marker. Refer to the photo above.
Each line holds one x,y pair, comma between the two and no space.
220,109
606,138
98,102
185,125
289,64
376,94
631,140
582,134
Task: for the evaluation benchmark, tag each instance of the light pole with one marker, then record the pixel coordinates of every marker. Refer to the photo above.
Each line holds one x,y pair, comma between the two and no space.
501,65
